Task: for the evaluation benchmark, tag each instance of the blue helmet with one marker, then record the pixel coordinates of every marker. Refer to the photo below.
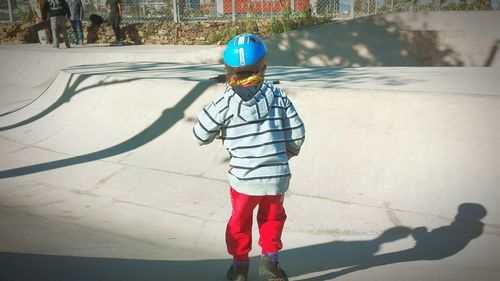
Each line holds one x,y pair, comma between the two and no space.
245,52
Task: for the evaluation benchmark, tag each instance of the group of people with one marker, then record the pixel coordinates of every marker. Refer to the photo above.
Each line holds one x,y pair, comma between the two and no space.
59,11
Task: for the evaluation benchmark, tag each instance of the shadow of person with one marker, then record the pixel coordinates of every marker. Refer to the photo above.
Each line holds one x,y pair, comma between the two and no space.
299,261
313,263
437,244
336,254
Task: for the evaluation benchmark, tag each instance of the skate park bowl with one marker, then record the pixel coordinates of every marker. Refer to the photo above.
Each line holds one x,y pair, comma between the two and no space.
396,39
100,178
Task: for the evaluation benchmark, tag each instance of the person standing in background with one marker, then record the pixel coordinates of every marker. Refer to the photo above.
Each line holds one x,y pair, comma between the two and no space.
115,9
59,12
76,8
42,32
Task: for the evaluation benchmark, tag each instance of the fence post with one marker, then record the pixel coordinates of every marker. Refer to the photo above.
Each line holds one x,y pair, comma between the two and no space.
175,11
10,11
292,4
262,9
352,8
233,4
219,4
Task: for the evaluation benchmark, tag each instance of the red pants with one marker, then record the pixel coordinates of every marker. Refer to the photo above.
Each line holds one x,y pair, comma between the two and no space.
270,217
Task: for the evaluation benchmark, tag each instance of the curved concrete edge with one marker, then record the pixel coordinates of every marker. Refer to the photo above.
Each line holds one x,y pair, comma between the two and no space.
26,71
35,66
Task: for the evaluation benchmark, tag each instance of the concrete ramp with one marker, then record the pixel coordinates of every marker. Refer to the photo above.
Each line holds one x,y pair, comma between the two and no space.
399,39
26,71
100,178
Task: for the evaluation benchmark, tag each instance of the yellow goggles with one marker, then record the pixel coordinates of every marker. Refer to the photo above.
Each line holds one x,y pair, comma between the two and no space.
250,80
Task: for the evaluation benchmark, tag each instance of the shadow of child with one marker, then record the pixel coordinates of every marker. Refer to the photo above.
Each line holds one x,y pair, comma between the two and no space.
337,254
437,244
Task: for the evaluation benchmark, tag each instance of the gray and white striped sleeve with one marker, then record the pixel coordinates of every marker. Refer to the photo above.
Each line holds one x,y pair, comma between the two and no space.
208,125
294,129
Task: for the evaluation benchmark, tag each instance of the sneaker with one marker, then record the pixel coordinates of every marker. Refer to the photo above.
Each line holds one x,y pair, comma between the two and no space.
270,269
239,273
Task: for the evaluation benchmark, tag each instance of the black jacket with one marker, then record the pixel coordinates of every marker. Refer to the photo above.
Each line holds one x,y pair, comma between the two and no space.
52,8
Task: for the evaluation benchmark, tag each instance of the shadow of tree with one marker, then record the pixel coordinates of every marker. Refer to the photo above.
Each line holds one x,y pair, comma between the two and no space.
168,118
493,54
131,72
305,263
68,93
367,41
330,77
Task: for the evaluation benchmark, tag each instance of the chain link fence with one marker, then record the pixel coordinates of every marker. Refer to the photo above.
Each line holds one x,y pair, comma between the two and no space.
139,11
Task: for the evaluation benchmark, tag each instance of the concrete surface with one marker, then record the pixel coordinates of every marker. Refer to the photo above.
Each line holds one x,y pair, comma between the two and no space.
452,38
100,178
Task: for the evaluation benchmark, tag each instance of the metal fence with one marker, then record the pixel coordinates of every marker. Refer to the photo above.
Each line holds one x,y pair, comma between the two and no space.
137,11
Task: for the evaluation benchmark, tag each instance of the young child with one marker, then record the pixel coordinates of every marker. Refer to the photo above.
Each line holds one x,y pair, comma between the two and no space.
261,129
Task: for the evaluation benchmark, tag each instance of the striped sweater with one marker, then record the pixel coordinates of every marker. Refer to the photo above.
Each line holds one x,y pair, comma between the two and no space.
260,135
